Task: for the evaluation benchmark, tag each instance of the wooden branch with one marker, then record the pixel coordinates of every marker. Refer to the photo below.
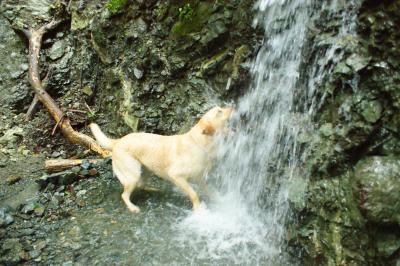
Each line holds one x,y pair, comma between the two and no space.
58,165
35,42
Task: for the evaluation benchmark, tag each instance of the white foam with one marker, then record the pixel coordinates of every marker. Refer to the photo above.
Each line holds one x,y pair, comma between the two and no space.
225,229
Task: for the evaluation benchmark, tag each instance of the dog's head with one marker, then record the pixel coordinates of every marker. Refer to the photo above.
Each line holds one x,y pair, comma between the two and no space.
214,120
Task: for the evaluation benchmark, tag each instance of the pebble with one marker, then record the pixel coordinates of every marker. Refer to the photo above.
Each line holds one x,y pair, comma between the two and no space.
93,172
5,218
39,211
138,73
28,207
34,254
81,193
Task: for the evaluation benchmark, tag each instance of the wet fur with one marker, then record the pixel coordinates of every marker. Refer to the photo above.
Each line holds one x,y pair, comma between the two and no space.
176,158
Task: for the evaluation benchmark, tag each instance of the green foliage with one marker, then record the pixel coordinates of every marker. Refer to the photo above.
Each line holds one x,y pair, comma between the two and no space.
186,12
90,115
115,5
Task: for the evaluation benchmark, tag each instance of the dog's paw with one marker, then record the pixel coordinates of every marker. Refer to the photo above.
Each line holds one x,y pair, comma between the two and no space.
134,209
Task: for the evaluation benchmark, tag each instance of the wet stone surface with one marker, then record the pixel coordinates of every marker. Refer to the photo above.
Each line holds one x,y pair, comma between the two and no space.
85,222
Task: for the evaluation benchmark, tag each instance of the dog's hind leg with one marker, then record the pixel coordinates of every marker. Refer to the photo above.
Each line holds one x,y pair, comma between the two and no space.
128,171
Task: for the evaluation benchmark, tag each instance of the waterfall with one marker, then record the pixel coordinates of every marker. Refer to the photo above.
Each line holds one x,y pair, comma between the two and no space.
246,223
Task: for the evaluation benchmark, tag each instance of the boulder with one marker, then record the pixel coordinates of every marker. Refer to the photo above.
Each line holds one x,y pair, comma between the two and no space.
379,188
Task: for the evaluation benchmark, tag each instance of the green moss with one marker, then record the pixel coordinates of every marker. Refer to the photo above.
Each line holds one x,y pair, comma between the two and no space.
186,13
116,5
333,230
191,19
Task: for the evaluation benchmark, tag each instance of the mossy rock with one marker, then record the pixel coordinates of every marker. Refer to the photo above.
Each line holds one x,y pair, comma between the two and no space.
195,23
116,5
379,188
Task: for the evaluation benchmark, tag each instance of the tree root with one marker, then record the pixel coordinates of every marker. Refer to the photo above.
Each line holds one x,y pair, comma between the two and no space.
35,41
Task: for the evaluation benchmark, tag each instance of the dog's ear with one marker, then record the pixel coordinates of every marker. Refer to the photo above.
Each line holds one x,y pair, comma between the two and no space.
208,130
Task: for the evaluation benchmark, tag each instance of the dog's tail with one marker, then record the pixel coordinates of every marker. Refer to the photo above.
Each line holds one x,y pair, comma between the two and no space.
101,138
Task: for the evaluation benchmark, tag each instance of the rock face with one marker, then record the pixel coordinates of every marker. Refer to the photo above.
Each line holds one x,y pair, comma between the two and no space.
351,213
379,187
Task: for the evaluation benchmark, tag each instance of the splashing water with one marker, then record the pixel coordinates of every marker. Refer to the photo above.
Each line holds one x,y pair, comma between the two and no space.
245,224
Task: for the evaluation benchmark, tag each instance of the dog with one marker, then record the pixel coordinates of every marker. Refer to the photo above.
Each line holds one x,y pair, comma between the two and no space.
176,158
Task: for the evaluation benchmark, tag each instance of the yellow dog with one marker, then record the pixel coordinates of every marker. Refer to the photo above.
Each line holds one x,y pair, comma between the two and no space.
176,158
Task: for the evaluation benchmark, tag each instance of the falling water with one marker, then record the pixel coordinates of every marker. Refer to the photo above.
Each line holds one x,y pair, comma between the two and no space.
246,223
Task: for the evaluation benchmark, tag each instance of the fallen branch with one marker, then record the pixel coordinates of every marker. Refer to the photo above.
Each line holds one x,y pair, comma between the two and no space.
35,42
58,165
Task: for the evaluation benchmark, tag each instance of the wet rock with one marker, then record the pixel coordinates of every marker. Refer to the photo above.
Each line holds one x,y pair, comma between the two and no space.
24,66
60,178
379,186
55,154
342,68
33,207
28,194
326,129
68,263
41,244
333,220
138,73
39,210
13,179
138,27
81,193
11,51
87,90
79,21
5,218
33,254
93,172
54,203
357,62
176,64
13,252
387,243
297,192
24,231
371,110
57,50
215,30
29,207
11,136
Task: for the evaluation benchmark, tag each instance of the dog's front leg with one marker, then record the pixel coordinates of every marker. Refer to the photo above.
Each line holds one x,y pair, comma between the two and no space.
204,186
188,190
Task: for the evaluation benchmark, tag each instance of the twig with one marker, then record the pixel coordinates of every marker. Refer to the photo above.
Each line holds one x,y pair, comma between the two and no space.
88,107
77,111
57,124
